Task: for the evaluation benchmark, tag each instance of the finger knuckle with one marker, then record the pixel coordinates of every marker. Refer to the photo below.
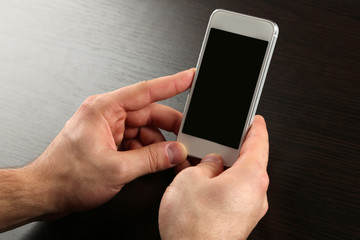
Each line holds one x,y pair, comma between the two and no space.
263,207
190,173
263,181
146,86
153,160
120,171
91,104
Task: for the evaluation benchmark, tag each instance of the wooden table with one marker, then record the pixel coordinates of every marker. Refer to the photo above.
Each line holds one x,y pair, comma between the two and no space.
53,54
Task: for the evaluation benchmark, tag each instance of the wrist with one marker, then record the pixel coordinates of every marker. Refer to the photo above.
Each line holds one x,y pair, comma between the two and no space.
21,198
36,191
44,189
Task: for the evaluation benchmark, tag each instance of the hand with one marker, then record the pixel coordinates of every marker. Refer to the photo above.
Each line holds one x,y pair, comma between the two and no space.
205,202
82,168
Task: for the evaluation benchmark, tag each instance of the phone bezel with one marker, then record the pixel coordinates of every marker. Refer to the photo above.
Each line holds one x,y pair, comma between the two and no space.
244,25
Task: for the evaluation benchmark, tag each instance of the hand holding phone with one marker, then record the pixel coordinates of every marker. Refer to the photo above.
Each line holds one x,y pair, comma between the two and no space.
229,78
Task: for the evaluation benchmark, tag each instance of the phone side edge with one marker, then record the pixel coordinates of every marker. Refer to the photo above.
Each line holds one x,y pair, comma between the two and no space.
261,81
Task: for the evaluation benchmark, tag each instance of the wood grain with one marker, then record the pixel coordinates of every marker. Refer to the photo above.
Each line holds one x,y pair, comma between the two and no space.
53,54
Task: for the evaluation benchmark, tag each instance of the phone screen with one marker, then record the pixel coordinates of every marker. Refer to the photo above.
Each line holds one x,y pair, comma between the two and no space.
224,88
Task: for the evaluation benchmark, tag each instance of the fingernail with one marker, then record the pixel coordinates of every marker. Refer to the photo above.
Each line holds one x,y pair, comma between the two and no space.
213,157
176,153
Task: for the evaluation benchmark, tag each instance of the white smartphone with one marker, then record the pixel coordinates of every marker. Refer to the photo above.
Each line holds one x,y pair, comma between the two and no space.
226,89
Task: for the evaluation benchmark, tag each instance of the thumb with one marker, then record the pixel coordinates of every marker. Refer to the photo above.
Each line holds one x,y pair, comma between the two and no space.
149,159
211,165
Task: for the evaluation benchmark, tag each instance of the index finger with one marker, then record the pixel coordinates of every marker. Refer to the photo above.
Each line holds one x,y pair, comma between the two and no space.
139,95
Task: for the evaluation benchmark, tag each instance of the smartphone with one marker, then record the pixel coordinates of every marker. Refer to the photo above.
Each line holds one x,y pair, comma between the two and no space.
230,74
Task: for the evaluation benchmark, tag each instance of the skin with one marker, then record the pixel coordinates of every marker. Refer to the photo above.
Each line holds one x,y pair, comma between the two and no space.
82,167
112,139
206,202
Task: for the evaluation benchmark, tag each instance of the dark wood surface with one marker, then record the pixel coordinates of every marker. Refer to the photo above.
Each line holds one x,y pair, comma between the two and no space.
53,54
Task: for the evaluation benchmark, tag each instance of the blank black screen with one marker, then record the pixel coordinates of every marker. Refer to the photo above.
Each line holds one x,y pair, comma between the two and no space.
224,87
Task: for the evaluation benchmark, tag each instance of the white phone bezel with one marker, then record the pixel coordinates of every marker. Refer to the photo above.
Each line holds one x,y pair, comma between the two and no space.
244,25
